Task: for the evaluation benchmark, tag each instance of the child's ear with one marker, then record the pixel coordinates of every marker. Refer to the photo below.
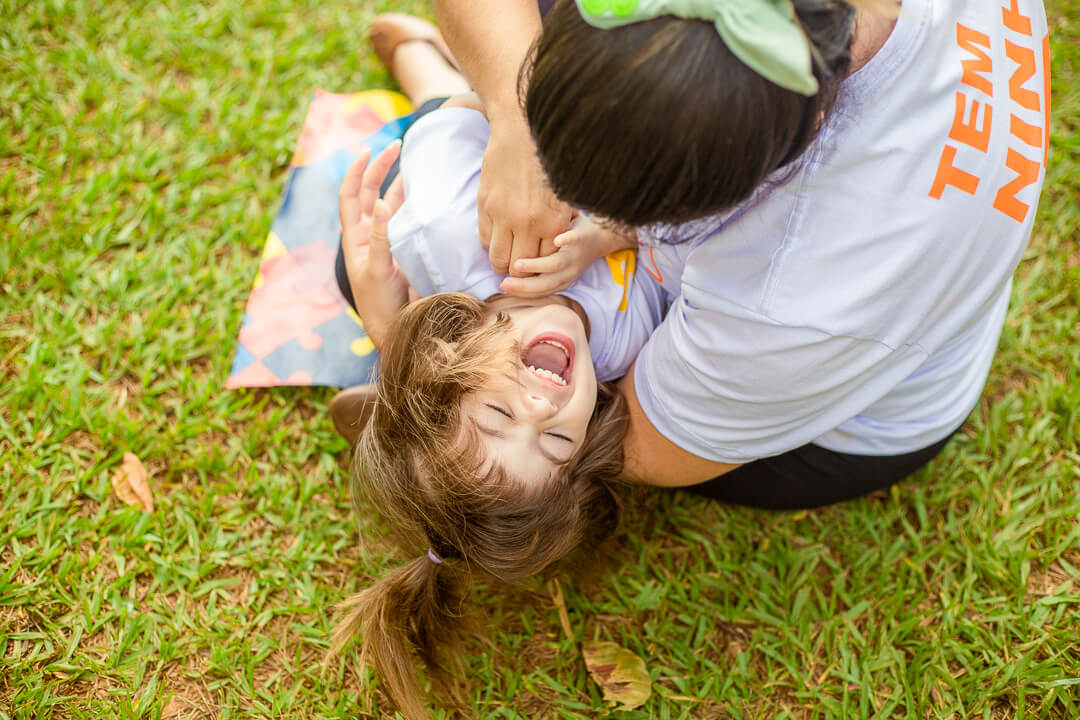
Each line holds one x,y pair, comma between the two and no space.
351,410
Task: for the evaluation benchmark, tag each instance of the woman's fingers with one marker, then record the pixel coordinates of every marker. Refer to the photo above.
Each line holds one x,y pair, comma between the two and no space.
547,247
524,247
502,244
484,221
374,176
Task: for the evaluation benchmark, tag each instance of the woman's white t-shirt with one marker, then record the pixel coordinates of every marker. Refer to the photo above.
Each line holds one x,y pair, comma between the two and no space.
858,304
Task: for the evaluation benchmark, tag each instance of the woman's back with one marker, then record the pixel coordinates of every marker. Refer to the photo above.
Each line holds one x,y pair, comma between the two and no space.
858,303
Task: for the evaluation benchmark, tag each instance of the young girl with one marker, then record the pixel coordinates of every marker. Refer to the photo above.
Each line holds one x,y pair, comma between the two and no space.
491,446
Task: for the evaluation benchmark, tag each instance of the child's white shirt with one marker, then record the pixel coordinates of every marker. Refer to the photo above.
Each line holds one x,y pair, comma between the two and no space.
435,239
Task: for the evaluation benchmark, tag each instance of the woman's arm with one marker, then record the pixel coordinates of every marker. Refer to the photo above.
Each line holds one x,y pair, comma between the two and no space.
518,215
490,53
652,459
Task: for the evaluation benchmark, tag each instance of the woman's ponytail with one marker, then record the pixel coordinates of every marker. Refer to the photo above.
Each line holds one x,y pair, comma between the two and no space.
412,613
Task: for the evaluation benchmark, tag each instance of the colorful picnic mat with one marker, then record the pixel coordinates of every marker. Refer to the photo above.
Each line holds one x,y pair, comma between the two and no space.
297,328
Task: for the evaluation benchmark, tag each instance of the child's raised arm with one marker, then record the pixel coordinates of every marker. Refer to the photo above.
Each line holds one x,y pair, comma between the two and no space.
379,287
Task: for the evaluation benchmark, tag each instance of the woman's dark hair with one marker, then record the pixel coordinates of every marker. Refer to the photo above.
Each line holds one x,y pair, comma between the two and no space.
659,122
423,471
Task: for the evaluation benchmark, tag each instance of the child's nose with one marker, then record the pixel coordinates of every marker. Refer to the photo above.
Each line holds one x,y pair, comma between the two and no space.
538,406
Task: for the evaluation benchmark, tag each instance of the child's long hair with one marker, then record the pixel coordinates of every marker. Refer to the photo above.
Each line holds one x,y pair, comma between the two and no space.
659,122
424,473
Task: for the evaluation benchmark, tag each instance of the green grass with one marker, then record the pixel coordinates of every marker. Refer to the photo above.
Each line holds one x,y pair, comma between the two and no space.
143,149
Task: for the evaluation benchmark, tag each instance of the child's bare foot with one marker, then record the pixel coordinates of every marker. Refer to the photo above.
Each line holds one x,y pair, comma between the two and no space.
417,57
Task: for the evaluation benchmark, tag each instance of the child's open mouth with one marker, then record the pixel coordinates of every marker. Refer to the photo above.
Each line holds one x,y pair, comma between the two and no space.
551,357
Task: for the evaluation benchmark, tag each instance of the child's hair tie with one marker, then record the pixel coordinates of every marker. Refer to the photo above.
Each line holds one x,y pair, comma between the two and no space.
764,34
433,557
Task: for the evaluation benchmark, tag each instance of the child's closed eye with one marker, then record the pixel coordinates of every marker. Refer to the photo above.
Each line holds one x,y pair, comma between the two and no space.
506,412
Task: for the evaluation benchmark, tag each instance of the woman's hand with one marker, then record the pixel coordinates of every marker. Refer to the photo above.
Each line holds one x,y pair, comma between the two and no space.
379,287
519,216
585,242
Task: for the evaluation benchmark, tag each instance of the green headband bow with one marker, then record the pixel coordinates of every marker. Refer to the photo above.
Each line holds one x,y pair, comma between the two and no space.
764,34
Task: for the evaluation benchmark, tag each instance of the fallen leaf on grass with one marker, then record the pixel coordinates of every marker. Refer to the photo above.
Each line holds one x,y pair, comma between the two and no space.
129,483
621,674
172,708
555,590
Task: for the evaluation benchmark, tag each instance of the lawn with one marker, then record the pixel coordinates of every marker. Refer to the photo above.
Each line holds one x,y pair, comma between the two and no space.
143,149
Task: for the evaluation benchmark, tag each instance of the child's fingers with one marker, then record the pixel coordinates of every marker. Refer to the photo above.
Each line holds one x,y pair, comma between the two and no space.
350,188
375,174
538,265
395,195
353,176
534,287
566,239
379,259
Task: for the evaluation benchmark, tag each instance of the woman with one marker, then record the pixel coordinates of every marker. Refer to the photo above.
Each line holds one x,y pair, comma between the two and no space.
857,219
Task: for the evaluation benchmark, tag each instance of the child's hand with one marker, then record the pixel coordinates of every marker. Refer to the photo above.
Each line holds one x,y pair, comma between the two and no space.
379,287
585,242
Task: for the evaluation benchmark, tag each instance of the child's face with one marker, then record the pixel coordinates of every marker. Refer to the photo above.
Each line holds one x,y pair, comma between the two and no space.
533,418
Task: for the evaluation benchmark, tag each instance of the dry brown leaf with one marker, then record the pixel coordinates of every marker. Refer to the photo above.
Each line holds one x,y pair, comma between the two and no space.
555,590
129,483
621,674
171,709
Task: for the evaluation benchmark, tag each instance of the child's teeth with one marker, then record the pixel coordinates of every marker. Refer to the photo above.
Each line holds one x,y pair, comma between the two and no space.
558,345
547,374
